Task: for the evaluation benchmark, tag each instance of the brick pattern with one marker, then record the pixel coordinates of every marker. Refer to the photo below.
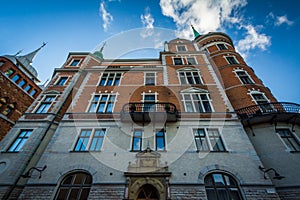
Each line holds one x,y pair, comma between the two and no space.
37,193
107,192
255,193
289,194
184,192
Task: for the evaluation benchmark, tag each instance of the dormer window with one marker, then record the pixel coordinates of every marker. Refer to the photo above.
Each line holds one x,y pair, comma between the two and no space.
177,61
75,62
222,46
181,48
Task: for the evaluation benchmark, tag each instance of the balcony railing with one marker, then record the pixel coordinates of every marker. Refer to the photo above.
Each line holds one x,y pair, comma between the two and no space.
279,111
145,112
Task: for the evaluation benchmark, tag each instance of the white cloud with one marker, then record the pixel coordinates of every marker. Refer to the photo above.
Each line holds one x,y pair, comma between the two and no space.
283,20
253,40
147,20
205,15
106,16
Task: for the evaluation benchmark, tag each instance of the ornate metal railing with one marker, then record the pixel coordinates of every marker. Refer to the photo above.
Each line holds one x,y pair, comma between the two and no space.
137,107
268,108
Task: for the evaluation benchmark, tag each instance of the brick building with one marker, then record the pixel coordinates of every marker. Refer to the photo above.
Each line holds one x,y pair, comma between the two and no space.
18,80
195,123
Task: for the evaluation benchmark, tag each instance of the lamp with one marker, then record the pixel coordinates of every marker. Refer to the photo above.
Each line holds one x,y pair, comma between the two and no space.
277,175
29,172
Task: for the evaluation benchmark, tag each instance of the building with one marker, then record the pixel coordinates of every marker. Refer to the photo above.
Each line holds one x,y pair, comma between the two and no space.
18,80
195,123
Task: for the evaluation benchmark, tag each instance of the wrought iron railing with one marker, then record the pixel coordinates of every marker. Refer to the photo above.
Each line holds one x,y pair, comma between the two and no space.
268,108
138,107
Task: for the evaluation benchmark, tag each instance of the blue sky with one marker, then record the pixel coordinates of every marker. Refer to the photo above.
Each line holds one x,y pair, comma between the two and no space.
266,32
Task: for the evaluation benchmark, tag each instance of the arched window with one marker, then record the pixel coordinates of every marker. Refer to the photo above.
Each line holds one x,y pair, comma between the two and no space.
75,186
220,186
148,192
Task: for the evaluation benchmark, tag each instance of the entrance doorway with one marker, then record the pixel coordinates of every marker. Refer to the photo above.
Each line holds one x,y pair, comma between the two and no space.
148,192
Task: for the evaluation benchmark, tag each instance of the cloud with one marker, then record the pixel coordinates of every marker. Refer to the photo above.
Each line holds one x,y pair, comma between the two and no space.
147,21
106,16
252,40
205,15
283,20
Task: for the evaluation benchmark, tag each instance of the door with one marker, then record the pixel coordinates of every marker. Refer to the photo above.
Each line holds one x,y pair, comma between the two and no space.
148,192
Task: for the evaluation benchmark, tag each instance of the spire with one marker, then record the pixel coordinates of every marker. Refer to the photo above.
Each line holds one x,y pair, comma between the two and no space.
196,34
99,53
28,58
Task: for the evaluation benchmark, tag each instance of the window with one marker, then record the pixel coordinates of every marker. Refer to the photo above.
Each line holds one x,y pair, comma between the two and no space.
90,141
15,78
9,72
110,79
262,101
9,108
178,61
22,83
27,88
33,92
289,139
189,77
74,186
20,141
222,46
160,140
45,104
208,140
150,78
231,60
244,77
62,81
197,102
137,139
220,186
191,61
181,48
75,62
102,103
149,102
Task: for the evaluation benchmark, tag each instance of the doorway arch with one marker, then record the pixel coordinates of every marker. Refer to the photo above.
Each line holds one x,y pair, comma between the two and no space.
148,192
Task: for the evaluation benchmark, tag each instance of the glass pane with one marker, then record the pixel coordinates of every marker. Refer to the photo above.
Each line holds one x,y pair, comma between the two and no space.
136,143
16,78
79,178
84,194
21,83
211,195
68,180
218,179
62,194
222,194
74,194
109,82
93,107
101,108
189,107
109,108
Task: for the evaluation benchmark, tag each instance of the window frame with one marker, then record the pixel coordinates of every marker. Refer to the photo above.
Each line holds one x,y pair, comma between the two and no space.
98,104
175,58
147,77
246,78
181,48
291,142
194,108
9,72
28,88
206,137
47,104
138,138
151,103
163,138
60,79
235,61
75,60
223,45
90,140
20,141
184,71
23,81
114,82
16,80
191,57
263,105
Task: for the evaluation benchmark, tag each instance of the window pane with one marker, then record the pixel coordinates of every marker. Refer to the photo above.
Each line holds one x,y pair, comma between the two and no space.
16,78
21,83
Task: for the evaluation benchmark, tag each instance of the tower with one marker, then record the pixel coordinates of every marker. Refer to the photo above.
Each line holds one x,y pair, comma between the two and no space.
18,80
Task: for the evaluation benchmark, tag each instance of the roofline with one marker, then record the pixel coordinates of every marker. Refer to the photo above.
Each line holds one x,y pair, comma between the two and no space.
197,39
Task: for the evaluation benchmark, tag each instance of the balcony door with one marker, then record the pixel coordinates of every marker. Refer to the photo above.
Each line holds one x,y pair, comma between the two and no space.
149,103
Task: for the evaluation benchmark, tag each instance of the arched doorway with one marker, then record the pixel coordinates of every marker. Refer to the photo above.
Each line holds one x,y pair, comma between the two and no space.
148,192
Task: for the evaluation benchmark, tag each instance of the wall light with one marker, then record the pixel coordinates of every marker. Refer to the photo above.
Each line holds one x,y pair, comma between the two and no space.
29,172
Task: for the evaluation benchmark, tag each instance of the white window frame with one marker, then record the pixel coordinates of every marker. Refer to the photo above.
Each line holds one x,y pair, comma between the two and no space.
143,99
141,138
192,70
193,104
270,107
58,79
90,139
181,45
73,59
145,77
18,136
114,78
98,102
242,70
177,58
221,44
43,101
226,58
193,57
207,138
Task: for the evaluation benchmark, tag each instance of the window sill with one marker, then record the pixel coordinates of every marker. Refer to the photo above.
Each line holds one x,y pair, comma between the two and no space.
294,151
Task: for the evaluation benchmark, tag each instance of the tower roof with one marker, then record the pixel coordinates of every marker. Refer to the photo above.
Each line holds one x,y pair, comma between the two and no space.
196,33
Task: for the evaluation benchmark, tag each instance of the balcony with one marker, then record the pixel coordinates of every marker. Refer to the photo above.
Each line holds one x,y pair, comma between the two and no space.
270,112
149,112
